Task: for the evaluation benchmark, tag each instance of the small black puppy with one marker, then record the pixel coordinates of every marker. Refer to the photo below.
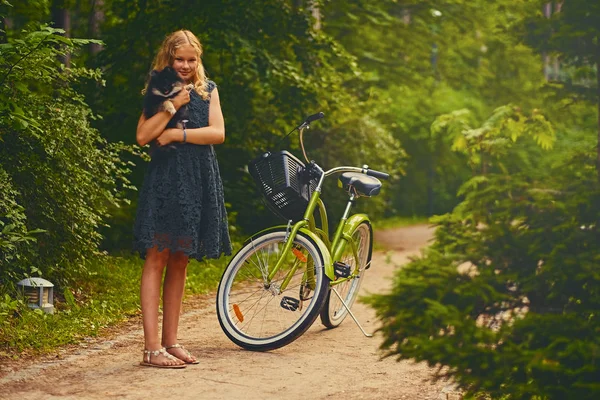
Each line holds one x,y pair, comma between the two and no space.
164,85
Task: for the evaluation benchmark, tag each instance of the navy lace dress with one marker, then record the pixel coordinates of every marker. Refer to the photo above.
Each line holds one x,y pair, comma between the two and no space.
181,205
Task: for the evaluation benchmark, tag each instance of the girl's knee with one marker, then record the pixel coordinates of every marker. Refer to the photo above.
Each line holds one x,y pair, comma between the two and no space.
178,259
157,259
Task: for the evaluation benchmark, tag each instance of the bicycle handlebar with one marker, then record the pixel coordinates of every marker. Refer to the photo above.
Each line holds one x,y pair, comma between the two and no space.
364,170
314,117
377,174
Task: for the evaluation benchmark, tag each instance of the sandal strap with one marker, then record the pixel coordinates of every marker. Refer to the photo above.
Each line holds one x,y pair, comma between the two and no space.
175,346
162,351
178,346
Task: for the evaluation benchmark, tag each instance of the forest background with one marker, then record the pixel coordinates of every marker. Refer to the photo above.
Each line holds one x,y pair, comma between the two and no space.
484,112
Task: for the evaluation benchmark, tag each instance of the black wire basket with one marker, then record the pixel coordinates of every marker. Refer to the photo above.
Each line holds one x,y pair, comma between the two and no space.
282,180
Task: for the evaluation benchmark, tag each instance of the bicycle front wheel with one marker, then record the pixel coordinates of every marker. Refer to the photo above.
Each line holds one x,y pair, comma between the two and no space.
260,315
334,312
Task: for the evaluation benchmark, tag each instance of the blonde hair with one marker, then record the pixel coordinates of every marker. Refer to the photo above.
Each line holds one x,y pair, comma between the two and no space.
166,56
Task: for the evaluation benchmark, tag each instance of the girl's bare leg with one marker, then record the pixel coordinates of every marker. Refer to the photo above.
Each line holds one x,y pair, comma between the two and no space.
172,297
150,300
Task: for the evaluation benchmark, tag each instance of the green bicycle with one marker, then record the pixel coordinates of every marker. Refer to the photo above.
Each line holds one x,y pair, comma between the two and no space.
283,277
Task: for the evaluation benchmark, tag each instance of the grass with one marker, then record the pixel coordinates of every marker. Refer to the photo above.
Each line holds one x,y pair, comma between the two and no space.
106,296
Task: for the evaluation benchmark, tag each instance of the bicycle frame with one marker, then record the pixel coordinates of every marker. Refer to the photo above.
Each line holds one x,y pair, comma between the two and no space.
331,250
286,276
304,227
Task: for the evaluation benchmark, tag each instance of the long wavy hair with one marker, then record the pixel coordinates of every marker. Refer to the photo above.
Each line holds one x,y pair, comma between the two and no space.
166,56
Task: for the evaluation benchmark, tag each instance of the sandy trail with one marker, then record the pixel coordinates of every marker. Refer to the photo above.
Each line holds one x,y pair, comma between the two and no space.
322,364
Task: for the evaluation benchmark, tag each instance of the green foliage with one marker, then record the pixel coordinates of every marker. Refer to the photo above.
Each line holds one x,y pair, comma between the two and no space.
14,237
59,175
572,34
272,68
505,301
492,144
426,58
569,40
356,141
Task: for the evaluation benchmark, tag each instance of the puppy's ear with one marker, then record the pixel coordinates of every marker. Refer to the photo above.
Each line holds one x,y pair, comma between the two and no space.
153,73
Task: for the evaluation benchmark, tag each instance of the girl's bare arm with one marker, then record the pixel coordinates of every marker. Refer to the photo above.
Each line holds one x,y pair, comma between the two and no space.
214,133
151,128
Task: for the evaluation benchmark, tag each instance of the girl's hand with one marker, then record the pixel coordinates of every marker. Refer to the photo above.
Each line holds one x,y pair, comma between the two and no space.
182,98
169,136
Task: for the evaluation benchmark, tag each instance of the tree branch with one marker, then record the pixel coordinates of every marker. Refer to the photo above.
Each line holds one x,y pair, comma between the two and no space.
21,59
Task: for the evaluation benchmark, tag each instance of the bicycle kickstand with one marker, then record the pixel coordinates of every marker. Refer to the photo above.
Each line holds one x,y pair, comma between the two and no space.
350,312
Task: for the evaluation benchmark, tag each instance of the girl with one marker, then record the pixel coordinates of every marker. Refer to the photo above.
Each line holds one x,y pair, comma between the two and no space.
181,211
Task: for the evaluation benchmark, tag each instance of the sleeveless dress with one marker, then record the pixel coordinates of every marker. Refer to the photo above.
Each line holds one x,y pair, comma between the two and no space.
181,206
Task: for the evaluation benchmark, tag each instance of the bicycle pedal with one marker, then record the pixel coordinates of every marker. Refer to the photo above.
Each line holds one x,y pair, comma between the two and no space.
341,270
290,303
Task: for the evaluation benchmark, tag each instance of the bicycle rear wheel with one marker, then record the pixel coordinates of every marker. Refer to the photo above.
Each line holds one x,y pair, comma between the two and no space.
257,315
334,312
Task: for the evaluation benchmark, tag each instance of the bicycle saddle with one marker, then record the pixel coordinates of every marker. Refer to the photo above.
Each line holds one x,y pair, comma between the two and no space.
362,184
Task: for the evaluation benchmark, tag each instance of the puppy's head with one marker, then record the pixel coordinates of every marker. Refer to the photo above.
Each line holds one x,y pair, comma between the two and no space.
165,83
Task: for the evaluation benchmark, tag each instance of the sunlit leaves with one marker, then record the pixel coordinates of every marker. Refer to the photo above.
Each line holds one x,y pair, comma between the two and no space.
60,175
489,144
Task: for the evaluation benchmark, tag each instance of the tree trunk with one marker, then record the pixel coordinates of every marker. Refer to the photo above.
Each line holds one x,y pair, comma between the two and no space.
314,10
430,192
547,10
316,13
96,19
62,19
406,16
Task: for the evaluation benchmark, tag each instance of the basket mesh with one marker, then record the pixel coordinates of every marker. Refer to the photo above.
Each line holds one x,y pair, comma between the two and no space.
279,177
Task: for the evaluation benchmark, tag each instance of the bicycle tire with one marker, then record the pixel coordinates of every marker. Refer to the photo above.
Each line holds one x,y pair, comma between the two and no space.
333,312
253,315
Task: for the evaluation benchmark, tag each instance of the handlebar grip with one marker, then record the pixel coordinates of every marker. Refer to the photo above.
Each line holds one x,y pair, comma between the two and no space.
314,117
378,174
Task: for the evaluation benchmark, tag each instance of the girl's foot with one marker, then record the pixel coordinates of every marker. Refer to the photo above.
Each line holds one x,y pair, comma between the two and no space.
181,353
161,359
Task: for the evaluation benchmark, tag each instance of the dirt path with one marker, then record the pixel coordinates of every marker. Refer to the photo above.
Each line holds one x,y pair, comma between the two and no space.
322,364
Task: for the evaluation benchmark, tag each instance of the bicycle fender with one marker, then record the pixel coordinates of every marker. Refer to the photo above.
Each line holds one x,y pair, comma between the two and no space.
351,224
354,221
327,263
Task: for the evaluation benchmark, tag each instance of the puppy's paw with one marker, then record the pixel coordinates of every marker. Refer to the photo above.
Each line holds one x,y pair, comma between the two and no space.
168,107
189,86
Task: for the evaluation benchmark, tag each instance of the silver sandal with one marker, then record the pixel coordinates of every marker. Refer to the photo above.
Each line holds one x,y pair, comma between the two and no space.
178,346
149,353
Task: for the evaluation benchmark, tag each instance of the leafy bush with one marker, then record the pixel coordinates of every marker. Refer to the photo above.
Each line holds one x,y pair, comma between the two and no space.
15,240
506,300
57,173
